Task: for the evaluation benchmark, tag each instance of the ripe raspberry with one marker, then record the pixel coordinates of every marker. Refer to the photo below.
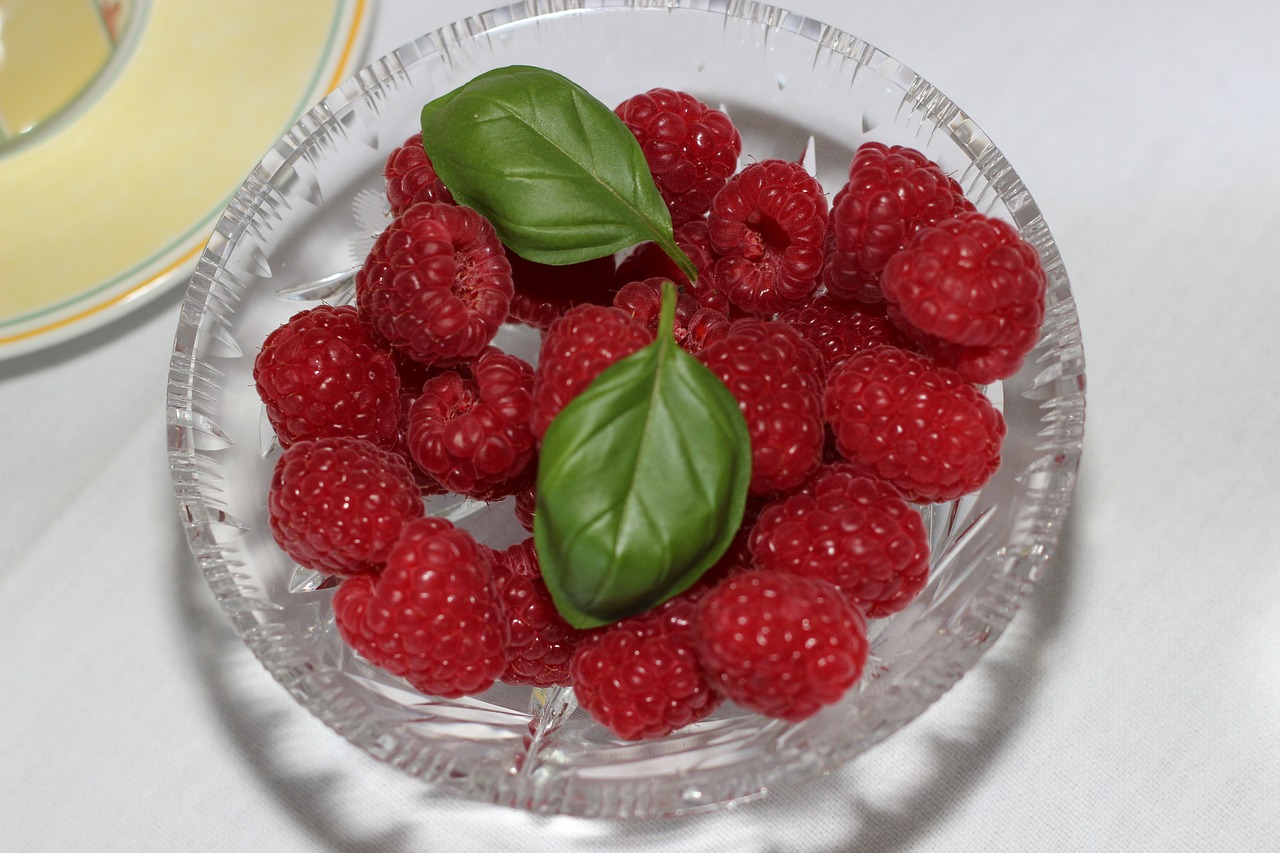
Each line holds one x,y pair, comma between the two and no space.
543,292
322,374
650,261
900,417
691,148
767,226
779,644
411,178
641,677
336,505
852,531
471,432
892,193
526,501
839,329
643,300
542,643
577,347
433,616
776,376
437,284
972,291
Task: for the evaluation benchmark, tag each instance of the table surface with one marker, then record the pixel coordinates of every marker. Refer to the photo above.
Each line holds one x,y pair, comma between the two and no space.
1133,704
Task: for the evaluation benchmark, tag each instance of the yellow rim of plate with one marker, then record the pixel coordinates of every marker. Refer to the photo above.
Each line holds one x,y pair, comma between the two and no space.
97,302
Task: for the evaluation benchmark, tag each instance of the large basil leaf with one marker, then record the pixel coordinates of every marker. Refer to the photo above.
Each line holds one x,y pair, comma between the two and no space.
642,481
556,172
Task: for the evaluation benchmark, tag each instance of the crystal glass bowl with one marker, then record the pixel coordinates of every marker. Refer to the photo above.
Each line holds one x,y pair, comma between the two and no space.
306,216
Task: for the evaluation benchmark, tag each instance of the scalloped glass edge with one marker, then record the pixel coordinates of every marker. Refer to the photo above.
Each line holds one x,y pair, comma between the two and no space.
793,751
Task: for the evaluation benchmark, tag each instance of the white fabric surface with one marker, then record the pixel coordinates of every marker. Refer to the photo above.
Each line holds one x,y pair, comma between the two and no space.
1134,704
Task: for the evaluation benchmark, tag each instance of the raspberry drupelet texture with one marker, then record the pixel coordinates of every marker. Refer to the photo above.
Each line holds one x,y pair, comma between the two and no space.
767,227
322,374
892,193
470,430
693,323
780,644
972,291
437,284
650,261
641,677
839,328
542,643
543,292
853,531
777,378
337,505
433,617
575,349
411,178
899,416
691,149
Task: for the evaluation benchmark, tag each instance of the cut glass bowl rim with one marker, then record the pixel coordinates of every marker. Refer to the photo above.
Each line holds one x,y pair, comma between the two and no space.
192,383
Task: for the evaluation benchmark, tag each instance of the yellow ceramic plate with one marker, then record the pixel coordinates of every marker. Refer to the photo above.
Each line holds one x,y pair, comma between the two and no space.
112,206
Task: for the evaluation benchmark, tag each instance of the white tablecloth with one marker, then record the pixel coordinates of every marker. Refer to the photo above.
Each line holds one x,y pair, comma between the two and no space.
1134,703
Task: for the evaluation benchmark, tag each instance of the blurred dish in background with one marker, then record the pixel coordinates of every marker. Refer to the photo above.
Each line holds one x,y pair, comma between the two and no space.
126,127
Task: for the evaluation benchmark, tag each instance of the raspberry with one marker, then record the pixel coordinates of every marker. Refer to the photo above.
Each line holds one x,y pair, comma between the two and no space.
892,193
854,532
411,178
541,643
322,374
972,291
900,417
839,329
641,677
336,505
779,644
437,284
691,148
650,261
543,292
526,501
643,301
575,350
767,226
471,433
433,616
776,376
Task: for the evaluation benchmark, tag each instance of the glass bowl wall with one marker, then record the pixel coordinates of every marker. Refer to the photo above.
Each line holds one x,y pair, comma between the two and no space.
308,213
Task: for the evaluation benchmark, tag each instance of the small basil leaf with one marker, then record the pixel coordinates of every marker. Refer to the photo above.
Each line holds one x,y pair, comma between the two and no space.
556,172
642,481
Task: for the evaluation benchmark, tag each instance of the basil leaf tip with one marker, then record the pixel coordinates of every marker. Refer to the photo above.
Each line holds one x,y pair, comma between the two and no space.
642,482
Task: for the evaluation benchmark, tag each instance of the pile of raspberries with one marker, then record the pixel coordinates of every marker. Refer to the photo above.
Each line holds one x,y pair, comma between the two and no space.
852,331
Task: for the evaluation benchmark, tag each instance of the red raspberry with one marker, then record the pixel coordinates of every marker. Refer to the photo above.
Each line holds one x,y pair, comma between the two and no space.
767,226
854,532
542,643
650,261
892,193
322,374
543,292
972,291
411,178
437,284
839,329
336,505
525,503
640,677
900,417
575,350
471,433
779,644
693,323
433,616
691,148
776,377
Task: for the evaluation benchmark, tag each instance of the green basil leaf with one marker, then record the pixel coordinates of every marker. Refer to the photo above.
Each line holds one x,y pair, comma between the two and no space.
642,481
556,172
